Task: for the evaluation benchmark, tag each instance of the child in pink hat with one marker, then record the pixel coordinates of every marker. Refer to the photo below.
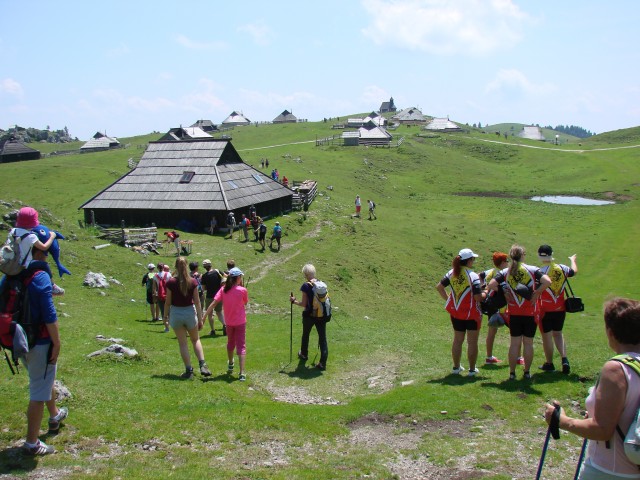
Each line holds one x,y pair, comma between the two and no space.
28,219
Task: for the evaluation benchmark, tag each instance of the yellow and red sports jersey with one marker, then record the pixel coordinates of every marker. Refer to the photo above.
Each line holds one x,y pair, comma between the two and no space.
552,299
461,304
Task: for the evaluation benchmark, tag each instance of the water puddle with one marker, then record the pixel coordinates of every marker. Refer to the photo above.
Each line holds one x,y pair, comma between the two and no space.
568,200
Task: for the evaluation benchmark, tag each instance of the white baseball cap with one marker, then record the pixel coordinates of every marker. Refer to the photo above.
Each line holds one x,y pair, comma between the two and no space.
466,254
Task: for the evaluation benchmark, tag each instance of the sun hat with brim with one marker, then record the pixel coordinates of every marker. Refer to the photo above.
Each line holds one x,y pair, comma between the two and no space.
235,272
27,218
466,254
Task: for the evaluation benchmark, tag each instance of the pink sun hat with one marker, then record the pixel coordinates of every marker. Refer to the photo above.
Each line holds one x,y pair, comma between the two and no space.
27,218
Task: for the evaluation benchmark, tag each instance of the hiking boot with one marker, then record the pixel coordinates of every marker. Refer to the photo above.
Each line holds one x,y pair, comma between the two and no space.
473,373
458,371
188,373
547,367
230,367
520,361
321,366
566,368
57,291
40,448
492,360
527,376
54,422
212,333
242,377
204,370
302,357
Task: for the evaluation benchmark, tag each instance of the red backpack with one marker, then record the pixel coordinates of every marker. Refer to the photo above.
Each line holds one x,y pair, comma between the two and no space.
162,286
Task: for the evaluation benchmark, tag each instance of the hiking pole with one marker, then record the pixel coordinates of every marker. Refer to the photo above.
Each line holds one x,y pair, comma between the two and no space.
584,447
553,429
6,357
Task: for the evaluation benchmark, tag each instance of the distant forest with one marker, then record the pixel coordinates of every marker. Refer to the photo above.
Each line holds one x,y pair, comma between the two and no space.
571,130
28,135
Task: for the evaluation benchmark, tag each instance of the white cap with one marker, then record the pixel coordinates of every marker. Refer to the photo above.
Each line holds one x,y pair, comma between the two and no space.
466,254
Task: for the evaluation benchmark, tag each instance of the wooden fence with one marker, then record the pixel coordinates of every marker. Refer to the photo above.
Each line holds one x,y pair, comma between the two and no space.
130,236
304,193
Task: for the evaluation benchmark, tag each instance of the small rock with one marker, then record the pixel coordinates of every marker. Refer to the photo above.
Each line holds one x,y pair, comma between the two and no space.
443,412
407,382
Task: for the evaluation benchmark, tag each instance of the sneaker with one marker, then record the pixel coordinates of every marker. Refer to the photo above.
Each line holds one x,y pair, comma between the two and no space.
566,368
302,357
54,422
512,376
212,333
547,367
230,367
492,360
242,377
458,371
57,291
204,370
187,374
527,376
40,448
166,329
473,373
520,361
321,366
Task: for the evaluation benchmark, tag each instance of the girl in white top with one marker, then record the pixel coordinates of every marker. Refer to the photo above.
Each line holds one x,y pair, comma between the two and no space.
614,400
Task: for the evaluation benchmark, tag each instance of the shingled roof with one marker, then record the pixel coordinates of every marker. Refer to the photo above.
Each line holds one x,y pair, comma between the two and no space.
285,117
236,119
194,179
14,151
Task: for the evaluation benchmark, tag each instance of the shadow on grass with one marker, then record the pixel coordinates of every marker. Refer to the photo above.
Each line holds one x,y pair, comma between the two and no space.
223,377
302,371
13,460
518,385
169,376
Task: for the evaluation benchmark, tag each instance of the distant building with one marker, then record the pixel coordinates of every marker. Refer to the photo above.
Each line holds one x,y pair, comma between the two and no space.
410,116
531,133
387,107
206,125
14,150
373,117
188,182
442,125
100,142
351,139
285,117
372,134
186,133
236,120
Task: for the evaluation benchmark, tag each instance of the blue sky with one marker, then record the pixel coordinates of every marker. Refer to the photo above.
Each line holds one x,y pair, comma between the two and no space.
133,67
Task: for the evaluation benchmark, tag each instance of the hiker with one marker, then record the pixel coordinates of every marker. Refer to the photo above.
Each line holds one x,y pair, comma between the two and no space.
309,321
522,285
255,224
372,207
179,311
147,281
27,220
41,361
231,223
358,206
174,237
234,298
160,290
193,272
211,282
285,181
613,403
212,225
276,235
263,234
552,308
463,308
500,262
244,223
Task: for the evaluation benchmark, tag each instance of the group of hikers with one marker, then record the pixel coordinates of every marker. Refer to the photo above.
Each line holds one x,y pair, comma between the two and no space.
256,223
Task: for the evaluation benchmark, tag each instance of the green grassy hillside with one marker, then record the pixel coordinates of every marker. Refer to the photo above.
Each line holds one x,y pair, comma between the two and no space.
387,406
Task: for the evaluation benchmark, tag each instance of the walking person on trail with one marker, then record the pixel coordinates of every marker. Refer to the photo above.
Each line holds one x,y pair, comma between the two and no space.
612,404
500,262
183,311
160,290
244,223
358,203
276,235
309,321
552,308
522,285
211,282
262,231
234,298
42,359
462,306
231,223
372,207
147,281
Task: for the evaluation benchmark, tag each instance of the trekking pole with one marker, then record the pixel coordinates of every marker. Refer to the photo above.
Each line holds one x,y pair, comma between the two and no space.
6,357
584,448
553,429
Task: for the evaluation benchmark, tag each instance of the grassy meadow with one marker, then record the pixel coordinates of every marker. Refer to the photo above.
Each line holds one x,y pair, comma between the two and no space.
387,406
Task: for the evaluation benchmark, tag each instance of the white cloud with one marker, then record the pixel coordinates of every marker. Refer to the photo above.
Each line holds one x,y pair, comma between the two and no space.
374,95
514,81
259,31
198,45
445,27
204,98
11,87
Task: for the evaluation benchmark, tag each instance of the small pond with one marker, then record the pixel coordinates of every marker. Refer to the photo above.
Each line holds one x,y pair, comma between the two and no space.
567,200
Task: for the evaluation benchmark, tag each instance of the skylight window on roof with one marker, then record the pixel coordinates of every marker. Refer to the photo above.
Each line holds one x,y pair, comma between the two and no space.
186,177
258,178
231,184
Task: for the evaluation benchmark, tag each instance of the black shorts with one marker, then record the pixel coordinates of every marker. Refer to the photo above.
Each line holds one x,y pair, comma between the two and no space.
263,235
150,299
521,325
463,325
553,321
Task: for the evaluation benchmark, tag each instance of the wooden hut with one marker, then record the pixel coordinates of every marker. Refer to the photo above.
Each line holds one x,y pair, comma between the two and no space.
14,150
285,117
443,125
100,142
205,125
236,120
187,182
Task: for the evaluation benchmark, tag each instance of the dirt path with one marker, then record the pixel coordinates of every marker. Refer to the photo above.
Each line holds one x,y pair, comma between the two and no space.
554,149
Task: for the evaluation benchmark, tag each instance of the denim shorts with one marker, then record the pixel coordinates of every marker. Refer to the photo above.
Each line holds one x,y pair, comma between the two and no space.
183,317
